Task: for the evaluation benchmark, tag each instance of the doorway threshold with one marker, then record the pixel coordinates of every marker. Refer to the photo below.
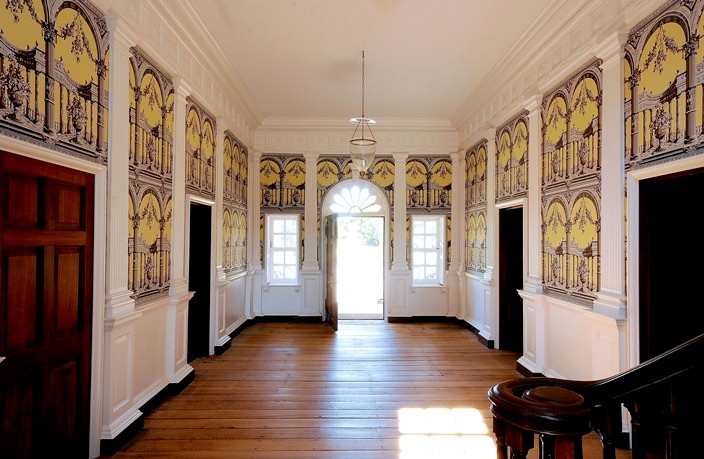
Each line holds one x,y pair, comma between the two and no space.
360,316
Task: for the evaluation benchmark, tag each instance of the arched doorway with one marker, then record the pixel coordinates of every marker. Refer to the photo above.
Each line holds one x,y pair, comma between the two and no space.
360,247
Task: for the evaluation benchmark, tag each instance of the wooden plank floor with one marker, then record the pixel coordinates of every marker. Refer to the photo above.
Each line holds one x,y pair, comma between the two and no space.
371,390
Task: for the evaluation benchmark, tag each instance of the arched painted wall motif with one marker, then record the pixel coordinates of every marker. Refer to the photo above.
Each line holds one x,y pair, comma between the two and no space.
234,231
571,191
53,75
475,207
512,159
282,187
428,189
151,120
200,151
664,78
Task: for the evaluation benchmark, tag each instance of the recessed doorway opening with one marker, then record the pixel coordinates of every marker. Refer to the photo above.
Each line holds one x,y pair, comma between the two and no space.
360,267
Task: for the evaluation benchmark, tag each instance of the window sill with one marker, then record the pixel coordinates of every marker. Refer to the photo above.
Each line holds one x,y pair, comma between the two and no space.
442,287
296,287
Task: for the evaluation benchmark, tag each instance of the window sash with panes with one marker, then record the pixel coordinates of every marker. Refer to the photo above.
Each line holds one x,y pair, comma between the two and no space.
427,249
282,249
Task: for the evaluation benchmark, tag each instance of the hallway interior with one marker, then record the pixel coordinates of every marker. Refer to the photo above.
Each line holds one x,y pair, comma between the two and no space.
371,390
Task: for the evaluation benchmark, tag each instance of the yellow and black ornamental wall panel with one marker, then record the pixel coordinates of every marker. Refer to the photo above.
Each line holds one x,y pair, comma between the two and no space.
475,207
429,190
151,121
664,76
54,75
282,180
200,151
571,190
512,159
234,226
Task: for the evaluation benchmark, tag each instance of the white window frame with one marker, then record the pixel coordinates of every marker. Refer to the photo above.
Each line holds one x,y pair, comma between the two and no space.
290,252
418,246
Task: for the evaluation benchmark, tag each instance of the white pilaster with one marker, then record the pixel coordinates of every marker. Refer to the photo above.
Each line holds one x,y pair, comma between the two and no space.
492,213
533,358
118,299
221,124
253,296
179,283
177,316
456,212
611,300
533,282
310,261
253,209
456,229
118,410
400,263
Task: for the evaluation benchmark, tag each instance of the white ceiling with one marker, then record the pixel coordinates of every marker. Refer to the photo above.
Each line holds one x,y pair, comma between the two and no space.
302,58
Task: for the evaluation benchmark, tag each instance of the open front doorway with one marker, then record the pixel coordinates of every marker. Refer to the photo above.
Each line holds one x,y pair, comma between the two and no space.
356,237
360,267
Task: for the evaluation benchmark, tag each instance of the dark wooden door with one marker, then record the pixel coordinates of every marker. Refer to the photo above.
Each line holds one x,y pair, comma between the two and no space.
46,265
331,271
199,282
510,279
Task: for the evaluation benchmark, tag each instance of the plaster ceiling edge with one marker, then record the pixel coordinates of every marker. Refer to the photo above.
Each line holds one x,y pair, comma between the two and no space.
216,90
337,124
485,110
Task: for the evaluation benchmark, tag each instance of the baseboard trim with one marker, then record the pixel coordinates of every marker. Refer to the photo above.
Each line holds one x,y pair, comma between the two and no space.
293,319
526,372
110,447
488,343
219,350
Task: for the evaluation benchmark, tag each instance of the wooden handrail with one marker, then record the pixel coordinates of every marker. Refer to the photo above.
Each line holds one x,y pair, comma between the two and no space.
663,396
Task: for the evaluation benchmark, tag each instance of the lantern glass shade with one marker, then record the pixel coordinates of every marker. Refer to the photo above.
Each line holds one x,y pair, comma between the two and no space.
362,152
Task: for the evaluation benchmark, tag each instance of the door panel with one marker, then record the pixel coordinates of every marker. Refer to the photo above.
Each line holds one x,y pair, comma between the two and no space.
46,236
331,271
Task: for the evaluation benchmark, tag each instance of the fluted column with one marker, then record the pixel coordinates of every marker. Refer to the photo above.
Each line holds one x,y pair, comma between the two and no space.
179,283
533,281
611,299
118,299
310,261
400,263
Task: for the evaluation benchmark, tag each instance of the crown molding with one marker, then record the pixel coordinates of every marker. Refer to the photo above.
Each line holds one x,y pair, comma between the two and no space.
166,38
545,59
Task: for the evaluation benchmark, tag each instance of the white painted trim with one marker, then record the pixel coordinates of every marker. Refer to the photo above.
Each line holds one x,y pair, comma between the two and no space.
235,325
42,153
633,179
120,424
191,198
383,212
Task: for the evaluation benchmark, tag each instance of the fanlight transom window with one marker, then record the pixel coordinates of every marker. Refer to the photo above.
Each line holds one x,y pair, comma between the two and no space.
354,200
